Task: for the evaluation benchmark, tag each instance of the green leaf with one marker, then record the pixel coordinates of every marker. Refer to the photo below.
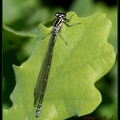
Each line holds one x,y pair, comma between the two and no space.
19,33
87,7
75,69
14,40
13,9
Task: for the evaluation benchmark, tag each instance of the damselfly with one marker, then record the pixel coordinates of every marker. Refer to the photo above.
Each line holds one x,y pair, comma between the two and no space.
41,83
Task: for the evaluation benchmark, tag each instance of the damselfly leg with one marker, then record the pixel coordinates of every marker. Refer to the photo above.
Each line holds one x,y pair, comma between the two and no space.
47,35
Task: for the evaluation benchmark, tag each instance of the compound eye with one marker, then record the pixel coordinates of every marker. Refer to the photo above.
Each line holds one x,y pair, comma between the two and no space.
64,15
57,14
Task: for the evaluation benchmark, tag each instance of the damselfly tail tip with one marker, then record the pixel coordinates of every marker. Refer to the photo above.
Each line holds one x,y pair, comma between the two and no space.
38,110
37,113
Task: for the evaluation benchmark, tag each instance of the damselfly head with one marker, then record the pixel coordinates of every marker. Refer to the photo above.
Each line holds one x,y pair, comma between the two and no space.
60,15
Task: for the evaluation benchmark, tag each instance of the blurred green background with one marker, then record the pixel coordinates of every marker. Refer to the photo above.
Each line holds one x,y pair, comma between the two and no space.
19,37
